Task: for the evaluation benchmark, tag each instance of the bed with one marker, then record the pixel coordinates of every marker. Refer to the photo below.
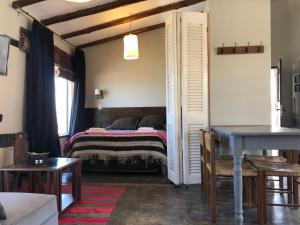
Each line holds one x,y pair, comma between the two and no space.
136,149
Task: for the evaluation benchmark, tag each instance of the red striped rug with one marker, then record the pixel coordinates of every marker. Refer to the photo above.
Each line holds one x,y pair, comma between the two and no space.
95,206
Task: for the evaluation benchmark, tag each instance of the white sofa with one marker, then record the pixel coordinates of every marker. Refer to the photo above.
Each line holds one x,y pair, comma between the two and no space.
29,209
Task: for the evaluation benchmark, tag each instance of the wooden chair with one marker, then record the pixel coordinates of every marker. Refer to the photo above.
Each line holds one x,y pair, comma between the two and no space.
289,169
20,147
267,158
203,162
20,155
215,167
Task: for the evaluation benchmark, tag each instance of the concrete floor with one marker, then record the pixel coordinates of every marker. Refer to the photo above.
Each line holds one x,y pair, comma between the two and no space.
152,200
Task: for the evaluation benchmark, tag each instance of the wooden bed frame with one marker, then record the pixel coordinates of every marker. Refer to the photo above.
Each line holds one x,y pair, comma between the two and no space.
103,118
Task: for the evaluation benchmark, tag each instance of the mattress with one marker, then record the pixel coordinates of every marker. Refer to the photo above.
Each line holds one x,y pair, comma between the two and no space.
123,146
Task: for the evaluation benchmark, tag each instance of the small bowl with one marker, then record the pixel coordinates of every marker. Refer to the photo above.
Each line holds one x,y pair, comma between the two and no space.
37,158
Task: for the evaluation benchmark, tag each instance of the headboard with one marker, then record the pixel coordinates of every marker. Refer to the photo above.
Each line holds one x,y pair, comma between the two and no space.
105,117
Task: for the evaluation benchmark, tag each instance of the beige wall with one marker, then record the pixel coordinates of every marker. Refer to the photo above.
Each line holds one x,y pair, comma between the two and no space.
135,83
240,84
12,86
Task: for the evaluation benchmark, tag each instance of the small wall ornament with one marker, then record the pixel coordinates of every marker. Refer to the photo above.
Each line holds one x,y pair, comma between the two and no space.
24,41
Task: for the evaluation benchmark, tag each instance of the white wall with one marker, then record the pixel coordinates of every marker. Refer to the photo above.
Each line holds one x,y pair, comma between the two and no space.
12,86
240,84
138,83
285,45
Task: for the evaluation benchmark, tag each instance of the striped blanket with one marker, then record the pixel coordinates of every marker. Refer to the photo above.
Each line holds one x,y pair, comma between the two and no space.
128,146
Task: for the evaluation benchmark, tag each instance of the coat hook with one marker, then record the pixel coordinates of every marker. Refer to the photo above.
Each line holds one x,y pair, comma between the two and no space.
234,49
247,48
222,49
259,47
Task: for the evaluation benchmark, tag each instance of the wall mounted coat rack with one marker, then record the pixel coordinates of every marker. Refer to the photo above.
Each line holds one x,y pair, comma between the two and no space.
249,49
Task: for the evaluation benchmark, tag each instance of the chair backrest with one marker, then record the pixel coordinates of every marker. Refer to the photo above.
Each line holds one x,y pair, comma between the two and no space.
21,147
294,157
209,141
202,145
291,156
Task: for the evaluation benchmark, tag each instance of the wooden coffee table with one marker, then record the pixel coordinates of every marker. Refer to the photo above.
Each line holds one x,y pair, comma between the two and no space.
53,168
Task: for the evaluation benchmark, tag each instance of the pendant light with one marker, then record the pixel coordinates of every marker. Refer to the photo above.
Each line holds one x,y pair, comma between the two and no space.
131,46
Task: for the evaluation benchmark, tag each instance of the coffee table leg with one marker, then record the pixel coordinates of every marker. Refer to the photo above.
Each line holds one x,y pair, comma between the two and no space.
48,183
1,179
57,188
76,180
38,177
30,182
4,181
74,187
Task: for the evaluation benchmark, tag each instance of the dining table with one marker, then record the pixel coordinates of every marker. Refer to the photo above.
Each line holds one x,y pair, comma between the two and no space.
252,138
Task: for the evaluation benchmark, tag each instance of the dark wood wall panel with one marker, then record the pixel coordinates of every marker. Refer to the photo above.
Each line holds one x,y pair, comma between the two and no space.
103,118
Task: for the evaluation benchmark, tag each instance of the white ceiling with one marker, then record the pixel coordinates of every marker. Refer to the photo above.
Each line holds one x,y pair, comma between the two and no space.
50,8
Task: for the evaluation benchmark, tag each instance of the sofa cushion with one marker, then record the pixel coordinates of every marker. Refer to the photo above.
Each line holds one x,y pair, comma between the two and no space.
29,209
2,212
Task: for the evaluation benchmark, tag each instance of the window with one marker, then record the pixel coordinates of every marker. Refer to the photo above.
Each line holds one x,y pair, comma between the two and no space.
63,99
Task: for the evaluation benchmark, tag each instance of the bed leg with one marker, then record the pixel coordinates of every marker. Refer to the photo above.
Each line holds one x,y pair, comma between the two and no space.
164,171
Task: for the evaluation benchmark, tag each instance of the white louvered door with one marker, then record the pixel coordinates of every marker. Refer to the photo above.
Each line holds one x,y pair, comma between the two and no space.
173,100
194,91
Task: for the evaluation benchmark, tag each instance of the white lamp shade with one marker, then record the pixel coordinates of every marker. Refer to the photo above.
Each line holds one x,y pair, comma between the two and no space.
131,47
97,92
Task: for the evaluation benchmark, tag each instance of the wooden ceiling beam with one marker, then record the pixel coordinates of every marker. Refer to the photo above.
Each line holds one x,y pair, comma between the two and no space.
88,11
133,17
22,3
119,36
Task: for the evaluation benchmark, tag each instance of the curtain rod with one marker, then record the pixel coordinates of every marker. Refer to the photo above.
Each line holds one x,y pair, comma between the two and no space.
22,11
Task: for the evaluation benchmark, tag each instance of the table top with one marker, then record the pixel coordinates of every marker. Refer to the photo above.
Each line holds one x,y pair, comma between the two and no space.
50,164
256,130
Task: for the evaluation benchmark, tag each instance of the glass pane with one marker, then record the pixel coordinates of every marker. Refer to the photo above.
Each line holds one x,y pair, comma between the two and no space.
61,95
70,100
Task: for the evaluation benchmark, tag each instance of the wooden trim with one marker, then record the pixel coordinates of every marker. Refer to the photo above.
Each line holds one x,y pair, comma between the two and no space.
14,42
134,17
88,11
22,3
66,64
209,71
240,50
119,36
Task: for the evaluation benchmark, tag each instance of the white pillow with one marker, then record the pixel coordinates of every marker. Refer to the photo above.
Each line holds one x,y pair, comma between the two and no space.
96,129
146,129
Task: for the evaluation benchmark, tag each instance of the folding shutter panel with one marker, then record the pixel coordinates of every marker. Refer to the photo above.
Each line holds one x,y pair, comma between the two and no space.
173,98
194,91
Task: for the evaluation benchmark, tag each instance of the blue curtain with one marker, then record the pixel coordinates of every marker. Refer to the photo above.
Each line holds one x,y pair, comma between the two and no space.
41,122
77,120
